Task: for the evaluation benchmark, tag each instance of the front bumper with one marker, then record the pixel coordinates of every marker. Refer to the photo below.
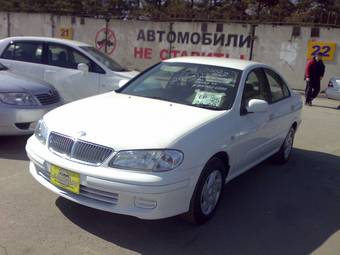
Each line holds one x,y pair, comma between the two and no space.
11,116
153,197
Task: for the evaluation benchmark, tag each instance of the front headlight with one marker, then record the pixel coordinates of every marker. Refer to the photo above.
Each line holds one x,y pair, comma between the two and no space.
41,131
149,160
22,99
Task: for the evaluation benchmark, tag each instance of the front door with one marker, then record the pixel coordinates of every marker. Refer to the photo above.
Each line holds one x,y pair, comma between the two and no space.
62,72
253,134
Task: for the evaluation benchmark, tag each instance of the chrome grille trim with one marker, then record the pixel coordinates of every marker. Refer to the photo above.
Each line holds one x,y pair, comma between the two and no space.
47,99
78,150
60,144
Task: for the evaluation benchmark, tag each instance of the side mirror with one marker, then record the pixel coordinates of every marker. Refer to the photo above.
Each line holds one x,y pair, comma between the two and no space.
121,83
83,68
257,105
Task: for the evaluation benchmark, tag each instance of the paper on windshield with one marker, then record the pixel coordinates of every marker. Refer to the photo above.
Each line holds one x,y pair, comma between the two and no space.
208,98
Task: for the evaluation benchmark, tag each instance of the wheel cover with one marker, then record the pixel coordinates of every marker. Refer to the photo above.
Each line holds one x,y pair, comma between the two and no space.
211,192
288,144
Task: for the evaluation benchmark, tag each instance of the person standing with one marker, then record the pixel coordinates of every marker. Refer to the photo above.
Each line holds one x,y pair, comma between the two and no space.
315,70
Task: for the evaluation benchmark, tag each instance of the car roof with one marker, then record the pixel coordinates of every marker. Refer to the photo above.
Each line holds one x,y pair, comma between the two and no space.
47,39
239,64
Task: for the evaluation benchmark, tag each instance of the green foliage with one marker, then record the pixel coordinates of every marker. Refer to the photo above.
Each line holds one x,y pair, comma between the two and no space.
282,11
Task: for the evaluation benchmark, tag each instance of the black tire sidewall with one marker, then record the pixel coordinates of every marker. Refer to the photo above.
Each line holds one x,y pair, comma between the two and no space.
198,216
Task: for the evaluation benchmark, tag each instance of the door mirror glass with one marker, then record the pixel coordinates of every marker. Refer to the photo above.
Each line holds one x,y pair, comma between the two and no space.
257,105
121,83
83,67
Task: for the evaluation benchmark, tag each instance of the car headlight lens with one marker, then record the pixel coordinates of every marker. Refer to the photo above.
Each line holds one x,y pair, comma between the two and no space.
147,160
41,131
22,99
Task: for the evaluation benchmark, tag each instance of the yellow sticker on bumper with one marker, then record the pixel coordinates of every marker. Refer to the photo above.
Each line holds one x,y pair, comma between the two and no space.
65,179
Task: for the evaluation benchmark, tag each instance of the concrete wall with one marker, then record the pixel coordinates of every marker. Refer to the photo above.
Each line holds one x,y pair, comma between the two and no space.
3,24
139,44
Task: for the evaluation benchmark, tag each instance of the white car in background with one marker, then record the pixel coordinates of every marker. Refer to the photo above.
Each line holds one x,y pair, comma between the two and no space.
333,89
77,70
184,128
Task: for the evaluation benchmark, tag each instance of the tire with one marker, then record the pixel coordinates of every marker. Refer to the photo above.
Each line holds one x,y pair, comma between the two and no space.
283,155
208,191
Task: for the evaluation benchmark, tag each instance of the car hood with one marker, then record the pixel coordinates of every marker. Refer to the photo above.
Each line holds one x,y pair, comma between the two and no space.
128,122
10,82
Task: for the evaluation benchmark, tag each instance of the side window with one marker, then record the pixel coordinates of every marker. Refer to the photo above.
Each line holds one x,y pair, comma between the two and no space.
254,88
58,55
63,56
80,58
24,51
278,88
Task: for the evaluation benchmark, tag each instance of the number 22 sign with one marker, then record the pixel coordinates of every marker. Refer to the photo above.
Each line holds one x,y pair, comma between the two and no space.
326,48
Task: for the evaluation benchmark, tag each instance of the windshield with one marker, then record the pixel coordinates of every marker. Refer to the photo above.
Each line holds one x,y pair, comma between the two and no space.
104,59
2,67
204,86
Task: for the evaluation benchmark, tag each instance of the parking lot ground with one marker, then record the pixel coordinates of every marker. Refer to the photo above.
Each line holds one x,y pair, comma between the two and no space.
290,209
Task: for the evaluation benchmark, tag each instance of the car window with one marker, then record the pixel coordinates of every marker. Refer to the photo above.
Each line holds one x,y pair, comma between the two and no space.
196,85
63,56
254,88
24,51
278,88
104,59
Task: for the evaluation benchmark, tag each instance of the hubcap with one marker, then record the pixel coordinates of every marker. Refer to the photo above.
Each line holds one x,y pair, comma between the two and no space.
288,143
211,192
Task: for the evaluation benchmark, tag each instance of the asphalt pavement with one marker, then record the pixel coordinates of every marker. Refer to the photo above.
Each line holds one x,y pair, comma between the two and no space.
290,209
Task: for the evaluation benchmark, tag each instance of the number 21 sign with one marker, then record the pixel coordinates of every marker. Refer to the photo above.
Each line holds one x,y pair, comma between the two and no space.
326,48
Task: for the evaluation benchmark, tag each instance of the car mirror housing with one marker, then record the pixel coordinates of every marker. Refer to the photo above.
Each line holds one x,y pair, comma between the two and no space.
83,67
121,83
257,105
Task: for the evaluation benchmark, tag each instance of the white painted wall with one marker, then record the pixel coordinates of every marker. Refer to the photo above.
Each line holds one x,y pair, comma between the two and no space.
274,45
3,24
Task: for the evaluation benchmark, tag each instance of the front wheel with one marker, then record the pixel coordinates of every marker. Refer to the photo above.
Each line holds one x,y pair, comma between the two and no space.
208,192
283,155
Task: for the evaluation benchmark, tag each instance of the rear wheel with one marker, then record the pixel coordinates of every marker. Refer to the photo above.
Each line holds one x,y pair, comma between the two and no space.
208,192
283,155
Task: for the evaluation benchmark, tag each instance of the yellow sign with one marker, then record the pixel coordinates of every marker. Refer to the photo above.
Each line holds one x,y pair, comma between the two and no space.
66,33
326,48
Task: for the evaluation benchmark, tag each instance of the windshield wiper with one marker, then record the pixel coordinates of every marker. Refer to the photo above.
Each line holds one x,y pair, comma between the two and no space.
160,98
206,106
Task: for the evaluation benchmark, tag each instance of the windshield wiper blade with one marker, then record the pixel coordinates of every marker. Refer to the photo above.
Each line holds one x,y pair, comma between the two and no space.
160,98
206,106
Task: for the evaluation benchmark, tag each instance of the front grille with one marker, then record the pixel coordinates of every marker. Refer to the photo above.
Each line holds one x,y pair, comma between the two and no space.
49,98
78,150
91,193
61,144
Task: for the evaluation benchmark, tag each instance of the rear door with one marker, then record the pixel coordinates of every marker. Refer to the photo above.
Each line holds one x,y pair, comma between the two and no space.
24,57
62,72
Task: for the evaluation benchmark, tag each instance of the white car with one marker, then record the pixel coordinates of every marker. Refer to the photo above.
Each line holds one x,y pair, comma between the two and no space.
77,70
184,128
333,89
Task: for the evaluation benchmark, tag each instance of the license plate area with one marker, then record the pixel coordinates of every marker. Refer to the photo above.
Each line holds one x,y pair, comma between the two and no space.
65,179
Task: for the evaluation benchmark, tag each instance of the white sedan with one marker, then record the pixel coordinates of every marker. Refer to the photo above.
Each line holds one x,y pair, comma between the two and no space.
184,128
76,69
333,89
